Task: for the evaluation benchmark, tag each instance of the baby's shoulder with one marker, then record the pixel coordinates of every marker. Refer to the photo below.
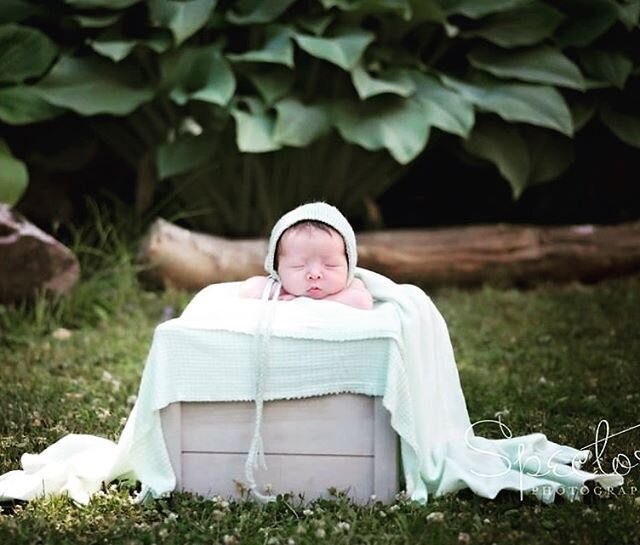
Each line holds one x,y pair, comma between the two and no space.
253,287
358,284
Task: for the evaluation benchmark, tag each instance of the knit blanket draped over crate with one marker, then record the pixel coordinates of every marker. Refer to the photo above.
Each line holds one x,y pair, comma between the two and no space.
400,350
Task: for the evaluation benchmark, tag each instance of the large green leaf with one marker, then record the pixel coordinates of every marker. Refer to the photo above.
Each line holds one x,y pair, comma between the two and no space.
611,66
93,85
443,107
344,49
13,176
379,56
534,104
503,145
184,19
541,64
277,48
393,123
20,105
586,20
116,51
629,14
583,108
272,81
254,126
14,11
185,154
394,81
112,44
428,10
626,126
258,11
524,155
198,73
401,7
97,21
157,39
551,154
109,4
24,53
316,24
475,9
299,124
527,24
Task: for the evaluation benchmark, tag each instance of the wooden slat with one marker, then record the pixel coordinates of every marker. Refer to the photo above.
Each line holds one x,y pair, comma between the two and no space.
171,419
385,460
214,474
325,425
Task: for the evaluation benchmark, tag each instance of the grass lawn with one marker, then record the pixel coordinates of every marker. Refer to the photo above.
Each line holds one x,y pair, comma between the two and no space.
557,360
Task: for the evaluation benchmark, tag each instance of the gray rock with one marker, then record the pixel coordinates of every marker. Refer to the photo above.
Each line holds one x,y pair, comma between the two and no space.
30,259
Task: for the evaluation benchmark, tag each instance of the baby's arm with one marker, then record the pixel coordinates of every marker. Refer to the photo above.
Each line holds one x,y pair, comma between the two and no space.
355,295
253,288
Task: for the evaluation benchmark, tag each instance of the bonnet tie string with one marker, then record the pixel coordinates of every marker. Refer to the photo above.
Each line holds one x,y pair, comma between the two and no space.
310,212
263,352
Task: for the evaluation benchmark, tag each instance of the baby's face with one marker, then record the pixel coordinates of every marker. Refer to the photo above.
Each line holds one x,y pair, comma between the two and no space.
312,262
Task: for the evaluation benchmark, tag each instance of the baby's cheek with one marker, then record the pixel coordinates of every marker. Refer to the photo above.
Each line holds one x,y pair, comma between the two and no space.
290,284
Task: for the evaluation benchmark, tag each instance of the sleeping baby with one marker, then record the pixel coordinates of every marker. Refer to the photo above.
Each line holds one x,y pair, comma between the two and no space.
312,253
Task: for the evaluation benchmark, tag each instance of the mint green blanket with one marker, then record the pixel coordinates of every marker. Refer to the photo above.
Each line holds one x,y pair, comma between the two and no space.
400,350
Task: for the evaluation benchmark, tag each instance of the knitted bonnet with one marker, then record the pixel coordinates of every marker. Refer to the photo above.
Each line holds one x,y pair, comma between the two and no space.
318,211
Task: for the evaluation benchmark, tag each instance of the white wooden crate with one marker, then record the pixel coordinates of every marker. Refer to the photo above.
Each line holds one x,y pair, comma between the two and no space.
343,441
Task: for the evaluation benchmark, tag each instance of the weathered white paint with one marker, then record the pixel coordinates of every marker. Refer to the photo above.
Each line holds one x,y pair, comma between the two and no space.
343,441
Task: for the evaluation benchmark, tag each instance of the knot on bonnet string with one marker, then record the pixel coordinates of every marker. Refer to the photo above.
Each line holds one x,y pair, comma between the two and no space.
314,211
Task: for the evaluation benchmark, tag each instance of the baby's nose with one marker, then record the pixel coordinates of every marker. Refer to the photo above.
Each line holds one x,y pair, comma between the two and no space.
313,274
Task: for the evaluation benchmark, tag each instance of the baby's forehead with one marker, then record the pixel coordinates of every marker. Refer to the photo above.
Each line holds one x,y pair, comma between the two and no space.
310,229
311,226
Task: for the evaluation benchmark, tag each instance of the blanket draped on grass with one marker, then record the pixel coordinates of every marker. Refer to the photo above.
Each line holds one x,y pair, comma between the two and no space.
400,350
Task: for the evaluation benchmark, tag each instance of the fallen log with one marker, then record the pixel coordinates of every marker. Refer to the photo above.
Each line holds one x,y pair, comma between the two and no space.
520,254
